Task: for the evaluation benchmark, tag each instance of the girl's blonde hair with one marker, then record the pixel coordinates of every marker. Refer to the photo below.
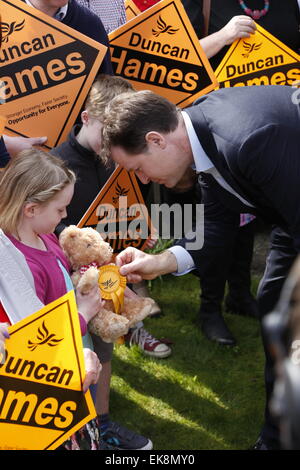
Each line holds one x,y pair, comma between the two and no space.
32,176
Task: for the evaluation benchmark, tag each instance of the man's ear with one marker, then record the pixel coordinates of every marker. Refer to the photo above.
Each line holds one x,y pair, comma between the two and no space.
29,209
155,138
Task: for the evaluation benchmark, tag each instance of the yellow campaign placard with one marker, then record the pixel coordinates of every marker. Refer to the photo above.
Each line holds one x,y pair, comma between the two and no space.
41,377
118,212
159,51
131,10
2,124
259,60
47,69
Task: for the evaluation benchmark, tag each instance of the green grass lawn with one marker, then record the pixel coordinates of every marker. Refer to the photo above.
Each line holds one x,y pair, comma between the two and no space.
204,396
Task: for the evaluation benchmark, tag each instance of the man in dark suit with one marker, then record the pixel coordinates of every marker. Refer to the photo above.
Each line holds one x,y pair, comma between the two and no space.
244,144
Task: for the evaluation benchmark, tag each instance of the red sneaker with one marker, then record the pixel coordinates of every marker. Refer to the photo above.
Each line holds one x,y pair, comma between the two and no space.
147,343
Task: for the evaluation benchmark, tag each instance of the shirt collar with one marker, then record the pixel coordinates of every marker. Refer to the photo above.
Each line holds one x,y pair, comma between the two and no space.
59,15
202,162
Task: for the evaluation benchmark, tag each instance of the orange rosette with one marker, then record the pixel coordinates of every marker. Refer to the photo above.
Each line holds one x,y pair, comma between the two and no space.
112,285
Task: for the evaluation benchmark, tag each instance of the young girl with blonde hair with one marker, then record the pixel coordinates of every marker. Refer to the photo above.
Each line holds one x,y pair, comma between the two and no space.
35,190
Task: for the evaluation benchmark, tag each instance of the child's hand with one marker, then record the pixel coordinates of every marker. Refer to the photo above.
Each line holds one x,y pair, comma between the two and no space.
150,243
89,304
3,336
92,369
153,239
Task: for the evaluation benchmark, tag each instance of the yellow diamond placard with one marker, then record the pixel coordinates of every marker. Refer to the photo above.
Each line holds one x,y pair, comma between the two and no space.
119,213
259,60
41,377
159,51
47,69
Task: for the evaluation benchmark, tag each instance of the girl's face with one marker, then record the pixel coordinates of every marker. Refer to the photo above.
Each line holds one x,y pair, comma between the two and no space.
46,217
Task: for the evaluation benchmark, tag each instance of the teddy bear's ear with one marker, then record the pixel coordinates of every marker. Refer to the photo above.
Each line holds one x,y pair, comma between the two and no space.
73,231
68,234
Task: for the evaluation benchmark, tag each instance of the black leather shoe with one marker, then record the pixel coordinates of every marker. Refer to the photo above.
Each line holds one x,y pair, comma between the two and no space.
260,444
214,328
246,306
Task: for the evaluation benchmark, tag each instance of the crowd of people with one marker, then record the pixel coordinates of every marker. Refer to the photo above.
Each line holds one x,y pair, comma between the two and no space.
240,172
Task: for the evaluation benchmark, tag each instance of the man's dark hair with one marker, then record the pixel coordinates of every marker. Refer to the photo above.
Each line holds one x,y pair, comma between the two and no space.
130,116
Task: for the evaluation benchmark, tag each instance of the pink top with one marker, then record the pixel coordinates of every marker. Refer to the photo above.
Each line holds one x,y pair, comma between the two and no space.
48,277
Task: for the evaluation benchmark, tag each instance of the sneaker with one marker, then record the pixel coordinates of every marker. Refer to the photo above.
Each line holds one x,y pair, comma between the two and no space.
122,438
147,343
103,445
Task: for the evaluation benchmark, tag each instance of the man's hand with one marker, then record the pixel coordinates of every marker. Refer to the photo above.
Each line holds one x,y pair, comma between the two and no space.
92,368
15,145
137,265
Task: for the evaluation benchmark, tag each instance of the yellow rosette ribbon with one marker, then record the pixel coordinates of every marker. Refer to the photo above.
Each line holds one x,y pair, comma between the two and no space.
112,286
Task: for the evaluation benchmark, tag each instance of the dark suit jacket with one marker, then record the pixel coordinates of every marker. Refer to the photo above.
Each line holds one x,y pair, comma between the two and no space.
194,10
252,136
4,157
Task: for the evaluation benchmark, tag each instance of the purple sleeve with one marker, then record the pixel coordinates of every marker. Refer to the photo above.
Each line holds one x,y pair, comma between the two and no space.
83,325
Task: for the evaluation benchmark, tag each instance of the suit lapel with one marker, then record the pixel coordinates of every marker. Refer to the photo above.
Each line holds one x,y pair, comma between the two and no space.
209,146
243,188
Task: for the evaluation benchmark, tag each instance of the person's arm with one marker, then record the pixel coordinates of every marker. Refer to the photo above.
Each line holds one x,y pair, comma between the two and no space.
14,145
238,27
275,179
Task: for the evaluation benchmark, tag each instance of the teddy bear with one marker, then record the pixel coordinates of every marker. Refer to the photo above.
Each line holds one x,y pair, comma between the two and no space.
86,251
